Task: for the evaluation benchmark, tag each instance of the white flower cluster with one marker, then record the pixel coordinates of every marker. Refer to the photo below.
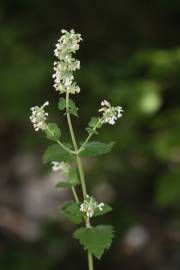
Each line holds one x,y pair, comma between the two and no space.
110,113
89,205
66,64
60,166
39,116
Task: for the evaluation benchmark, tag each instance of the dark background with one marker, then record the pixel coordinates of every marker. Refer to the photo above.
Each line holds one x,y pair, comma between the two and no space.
130,56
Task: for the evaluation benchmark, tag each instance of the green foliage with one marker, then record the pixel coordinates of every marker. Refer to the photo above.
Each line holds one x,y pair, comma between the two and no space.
168,189
53,132
56,153
142,75
167,141
72,107
105,209
62,104
150,100
64,184
71,210
96,148
95,239
72,180
93,125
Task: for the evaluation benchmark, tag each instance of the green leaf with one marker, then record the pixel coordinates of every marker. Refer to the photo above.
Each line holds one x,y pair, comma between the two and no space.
93,122
72,107
53,132
56,153
63,184
105,209
71,210
72,180
95,239
92,125
91,130
73,177
62,104
96,148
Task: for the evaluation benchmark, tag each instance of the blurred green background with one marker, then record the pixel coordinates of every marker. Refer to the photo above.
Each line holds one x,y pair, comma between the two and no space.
130,56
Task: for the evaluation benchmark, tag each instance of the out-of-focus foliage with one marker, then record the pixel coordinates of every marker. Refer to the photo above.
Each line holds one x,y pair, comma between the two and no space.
130,56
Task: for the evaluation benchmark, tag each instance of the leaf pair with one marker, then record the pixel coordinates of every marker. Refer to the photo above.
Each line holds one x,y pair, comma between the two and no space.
56,153
72,109
72,211
94,239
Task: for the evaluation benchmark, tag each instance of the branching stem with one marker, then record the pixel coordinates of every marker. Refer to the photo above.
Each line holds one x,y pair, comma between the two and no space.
65,148
89,136
61,144
81,172
78,160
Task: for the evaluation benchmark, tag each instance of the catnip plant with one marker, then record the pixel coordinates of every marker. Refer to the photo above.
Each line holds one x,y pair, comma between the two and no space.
66,158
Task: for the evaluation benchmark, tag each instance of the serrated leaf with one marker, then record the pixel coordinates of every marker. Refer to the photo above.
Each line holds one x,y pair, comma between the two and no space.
72,107
53,132
105,209
56,153
72,180
96,148
71,210
95,239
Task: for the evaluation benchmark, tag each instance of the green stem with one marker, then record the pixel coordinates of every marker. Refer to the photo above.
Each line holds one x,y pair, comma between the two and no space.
90,257
79,163
65,148
81,172
61,144
89,136
90,261
75,194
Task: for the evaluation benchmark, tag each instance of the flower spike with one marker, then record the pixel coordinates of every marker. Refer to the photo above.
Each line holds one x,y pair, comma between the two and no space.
110,113
63,77
39,116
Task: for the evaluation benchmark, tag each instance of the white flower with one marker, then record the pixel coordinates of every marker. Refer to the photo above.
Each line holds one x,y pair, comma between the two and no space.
39,116
60,166
100,206
110,113
66,64
89,205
